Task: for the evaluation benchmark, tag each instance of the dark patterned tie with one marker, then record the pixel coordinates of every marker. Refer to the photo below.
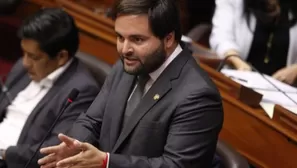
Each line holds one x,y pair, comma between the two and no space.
136,96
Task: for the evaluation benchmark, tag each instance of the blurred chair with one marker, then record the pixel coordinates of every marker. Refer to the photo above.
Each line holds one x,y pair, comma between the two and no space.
8,7
9,24
98,68
205,55
197,41
11,48
200,34
9,42
229,157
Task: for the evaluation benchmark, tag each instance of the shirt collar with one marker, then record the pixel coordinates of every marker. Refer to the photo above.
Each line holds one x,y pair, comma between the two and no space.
49,80
154,75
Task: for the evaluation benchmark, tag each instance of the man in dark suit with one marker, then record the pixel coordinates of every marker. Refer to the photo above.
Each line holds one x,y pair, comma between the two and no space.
157,108
39,85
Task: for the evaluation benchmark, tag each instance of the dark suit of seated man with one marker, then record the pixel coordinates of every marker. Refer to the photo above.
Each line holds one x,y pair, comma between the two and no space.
39,84
156,109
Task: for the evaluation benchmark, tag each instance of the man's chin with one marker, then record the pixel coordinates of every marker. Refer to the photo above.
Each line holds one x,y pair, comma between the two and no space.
132,70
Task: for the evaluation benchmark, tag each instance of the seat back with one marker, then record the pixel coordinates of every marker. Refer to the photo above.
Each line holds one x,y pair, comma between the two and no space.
229,157
200,34
98,68
8,7
11,49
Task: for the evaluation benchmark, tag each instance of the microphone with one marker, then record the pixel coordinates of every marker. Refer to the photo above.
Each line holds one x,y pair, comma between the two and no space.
71,97
4,89
224,61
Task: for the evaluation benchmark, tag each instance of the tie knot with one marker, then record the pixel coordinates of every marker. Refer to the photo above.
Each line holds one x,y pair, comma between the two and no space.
142,80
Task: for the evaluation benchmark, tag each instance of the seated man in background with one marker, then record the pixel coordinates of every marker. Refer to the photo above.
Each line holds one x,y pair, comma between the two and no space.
39,84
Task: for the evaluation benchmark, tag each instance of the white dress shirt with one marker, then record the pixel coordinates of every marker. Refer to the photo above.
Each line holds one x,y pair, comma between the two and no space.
22,106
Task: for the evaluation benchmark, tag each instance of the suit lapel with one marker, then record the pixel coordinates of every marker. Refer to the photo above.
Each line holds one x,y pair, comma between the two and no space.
156,93
117,110
13,88
47,98
160,88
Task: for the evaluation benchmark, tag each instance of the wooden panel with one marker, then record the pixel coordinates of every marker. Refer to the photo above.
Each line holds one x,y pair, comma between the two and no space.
43,3
184,15
97,32
256,112
98,48
29,7
265,143
106,3
285,118
96,6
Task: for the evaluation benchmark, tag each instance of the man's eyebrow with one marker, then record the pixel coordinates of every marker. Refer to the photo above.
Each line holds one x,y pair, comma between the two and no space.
137,35
132,35
117,33
28,52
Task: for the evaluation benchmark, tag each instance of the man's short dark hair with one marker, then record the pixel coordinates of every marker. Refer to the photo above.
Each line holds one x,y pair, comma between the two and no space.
163,15
53,29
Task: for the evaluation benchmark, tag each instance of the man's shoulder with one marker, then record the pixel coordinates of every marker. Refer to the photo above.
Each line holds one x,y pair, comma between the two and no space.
80,78
15,73
195,80
117,70
17,68
193,72
118,67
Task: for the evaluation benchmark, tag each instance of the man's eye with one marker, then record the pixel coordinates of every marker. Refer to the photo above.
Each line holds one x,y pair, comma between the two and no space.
34,57
120,38
138,40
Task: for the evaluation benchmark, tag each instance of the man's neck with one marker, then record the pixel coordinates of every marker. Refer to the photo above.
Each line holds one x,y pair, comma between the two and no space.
171,50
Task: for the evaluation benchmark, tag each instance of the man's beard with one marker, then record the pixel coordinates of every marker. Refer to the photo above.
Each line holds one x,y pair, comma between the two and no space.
152,62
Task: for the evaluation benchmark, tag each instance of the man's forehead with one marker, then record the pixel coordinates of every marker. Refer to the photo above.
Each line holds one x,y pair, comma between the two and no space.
29,45
132,24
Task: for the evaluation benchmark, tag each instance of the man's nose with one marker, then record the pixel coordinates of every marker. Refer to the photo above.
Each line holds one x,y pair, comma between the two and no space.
26,61
127,48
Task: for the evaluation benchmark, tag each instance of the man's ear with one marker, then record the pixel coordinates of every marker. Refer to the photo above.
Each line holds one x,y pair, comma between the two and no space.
169,40
63,57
